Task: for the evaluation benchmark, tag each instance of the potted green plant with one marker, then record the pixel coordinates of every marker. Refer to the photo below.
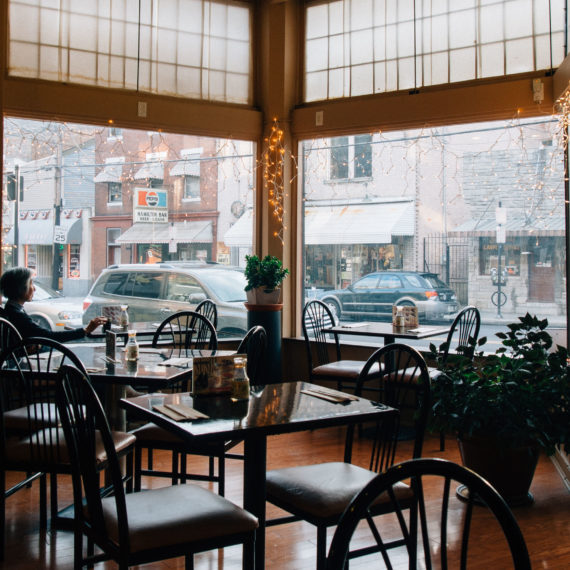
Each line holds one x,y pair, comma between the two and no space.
504,407
264,277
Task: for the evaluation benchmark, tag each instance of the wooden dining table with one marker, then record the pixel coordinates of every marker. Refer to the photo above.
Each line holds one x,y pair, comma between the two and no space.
152,371
387,331
272,409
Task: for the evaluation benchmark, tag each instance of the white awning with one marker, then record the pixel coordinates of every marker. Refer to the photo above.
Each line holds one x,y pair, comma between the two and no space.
363,223
241,233
110,173
36,232
187,167
516,225
180,232
150,170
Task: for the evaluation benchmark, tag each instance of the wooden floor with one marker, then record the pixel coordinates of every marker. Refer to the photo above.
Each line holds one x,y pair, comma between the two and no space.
545,524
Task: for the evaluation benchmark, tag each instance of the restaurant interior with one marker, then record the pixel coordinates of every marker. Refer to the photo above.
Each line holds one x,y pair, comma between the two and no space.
276,104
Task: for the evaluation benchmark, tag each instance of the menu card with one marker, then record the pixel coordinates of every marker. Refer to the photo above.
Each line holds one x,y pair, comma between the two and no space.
212,375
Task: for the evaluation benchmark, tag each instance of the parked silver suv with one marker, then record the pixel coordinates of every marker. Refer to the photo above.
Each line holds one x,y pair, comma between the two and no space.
155,291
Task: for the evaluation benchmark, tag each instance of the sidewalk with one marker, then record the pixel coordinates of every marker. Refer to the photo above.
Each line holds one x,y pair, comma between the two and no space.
491,318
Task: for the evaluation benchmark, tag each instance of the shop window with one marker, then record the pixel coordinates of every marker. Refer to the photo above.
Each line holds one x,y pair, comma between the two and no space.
489,256
73,265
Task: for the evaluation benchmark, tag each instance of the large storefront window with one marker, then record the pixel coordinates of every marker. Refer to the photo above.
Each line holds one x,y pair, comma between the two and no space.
427,204
67,225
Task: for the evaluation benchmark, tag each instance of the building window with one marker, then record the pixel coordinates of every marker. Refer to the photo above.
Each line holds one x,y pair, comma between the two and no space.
115,192
351,157
191,188
114,134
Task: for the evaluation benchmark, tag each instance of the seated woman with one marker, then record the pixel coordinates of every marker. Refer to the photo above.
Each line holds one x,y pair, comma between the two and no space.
17,286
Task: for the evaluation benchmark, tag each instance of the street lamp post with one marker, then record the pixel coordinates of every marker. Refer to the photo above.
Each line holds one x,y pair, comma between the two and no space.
501,217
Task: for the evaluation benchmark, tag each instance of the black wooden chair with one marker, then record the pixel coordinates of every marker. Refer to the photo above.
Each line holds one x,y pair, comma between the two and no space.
322,367
254,345
441,528
208,308
185,330
31,439
320,493
464,330
136,528
9,335
152,437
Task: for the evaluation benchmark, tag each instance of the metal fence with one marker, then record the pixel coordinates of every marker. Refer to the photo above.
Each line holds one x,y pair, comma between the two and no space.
449,258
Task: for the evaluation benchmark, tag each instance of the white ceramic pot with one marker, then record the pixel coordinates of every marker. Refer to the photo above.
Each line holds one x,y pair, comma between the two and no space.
261,296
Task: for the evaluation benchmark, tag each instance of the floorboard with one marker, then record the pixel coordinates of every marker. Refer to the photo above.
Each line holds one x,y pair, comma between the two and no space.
545,523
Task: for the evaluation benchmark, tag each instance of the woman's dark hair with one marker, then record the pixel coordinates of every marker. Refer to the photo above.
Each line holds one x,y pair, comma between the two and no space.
14,283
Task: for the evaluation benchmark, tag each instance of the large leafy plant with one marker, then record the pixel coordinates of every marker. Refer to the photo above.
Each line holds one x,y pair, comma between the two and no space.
519,395
267,272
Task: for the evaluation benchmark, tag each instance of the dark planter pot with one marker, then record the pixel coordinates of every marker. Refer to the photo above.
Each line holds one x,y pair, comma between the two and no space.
510,470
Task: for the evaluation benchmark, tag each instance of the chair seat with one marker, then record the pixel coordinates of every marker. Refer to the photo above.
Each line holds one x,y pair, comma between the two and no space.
345,369
322,491
152,435
160,518
19,451
18,420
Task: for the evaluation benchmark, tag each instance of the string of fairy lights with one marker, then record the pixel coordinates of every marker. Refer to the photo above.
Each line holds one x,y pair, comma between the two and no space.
519,162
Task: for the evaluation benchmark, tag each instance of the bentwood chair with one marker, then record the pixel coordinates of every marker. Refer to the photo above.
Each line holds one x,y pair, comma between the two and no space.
254,345
444,525
186,330
31,439
151,437
322,367
136,528
208,308
320,493
9,334
463,332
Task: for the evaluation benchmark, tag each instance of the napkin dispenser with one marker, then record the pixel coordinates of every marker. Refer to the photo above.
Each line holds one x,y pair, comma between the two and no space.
213,375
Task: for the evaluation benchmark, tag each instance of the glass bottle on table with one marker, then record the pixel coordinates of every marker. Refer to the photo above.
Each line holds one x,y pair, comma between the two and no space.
132,347
124,317
240,382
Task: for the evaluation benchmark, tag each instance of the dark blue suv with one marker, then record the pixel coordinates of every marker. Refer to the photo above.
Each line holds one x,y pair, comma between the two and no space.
372,296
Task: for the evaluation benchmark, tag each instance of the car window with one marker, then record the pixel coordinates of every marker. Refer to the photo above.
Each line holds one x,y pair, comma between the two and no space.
41,294
390,282
434,281
148,284
367,282
112,284
226,285
414,281
180,287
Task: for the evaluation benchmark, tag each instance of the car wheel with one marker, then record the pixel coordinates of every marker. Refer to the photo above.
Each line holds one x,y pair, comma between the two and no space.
41,322
335,309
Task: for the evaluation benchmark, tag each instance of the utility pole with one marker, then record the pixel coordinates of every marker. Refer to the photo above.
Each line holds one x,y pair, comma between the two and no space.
57,215
16,255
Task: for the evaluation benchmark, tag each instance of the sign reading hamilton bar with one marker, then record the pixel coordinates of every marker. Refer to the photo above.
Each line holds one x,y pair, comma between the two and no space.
150,206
